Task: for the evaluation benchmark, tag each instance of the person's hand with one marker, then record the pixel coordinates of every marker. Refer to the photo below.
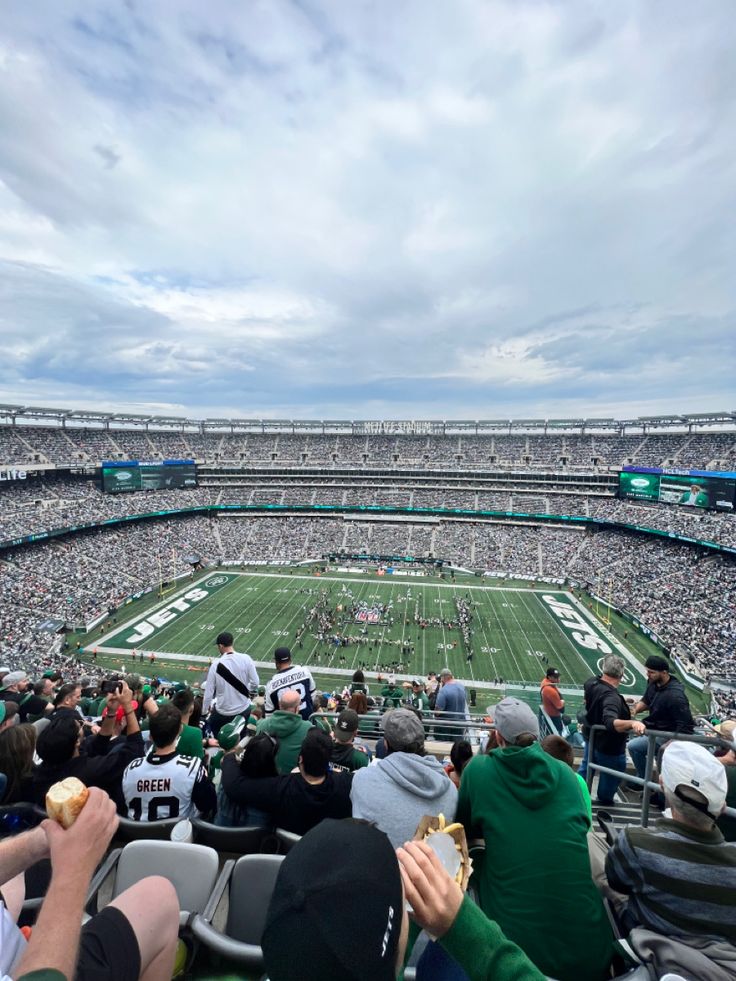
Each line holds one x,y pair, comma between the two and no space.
435,898
126,695
79,849
638,727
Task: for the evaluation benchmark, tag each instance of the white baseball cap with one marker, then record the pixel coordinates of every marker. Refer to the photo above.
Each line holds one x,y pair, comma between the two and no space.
689,765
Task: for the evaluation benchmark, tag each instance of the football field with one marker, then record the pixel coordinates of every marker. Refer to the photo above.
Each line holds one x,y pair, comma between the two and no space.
335,623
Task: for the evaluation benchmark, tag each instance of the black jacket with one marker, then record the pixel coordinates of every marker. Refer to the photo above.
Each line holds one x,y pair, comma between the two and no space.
669,709
604,705
294,804
102,766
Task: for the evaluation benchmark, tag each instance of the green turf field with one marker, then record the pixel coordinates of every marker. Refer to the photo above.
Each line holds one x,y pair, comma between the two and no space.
513,628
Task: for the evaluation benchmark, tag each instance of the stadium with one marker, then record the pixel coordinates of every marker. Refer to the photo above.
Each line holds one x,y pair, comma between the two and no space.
367,492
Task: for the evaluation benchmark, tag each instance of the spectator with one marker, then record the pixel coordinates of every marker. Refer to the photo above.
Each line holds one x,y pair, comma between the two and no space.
668,707
98,765
289,727
66,700
560,749
346,756
552,702
358,703
289,677
231,681
190,741
680,876
378,924
258,761
520,801
9,715
166,784
391,693
44,688
15,689
460,754
135,936
606,706
419,700
358,683
17,746
451,703
297,801
727,757
400,789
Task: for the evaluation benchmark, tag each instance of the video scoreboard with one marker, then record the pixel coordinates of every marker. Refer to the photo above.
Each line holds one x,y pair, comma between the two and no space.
713,490
140,475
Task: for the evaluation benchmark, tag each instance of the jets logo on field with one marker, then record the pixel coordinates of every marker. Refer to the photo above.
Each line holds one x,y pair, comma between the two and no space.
216,581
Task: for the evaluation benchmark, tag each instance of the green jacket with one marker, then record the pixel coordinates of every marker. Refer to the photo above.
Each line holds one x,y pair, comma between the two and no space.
536,871
394,694
190,742
480,948
420,702
290,729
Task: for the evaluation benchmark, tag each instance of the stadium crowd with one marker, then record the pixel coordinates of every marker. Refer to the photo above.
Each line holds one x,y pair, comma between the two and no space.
28,444
60,502
151,751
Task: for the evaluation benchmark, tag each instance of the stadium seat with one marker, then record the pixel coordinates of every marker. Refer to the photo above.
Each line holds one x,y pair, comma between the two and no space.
141,830
191,869
237,841
608,826
251,886
287,840
39,725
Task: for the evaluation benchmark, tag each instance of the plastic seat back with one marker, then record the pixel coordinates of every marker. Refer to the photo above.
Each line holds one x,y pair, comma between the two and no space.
251,888
191,869
139,830
239,841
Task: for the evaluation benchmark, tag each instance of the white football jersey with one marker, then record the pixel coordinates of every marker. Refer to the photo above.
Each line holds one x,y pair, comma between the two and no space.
298,678
158,787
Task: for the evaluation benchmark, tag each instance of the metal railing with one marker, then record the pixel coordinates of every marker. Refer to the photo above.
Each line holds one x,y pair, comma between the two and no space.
370,725
649,786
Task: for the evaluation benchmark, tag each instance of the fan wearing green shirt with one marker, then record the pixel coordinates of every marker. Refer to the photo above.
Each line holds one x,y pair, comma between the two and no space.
190,741
392,694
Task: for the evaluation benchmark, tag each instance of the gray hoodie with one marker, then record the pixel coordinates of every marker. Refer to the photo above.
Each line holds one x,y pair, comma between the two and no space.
398,791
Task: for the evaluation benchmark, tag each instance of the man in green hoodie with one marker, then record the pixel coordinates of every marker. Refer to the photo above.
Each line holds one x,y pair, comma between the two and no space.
289,726
535,880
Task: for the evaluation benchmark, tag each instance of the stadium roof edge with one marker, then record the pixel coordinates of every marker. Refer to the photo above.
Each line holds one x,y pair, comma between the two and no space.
698,421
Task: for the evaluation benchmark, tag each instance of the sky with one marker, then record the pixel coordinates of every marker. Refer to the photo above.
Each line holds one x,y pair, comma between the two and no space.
369,210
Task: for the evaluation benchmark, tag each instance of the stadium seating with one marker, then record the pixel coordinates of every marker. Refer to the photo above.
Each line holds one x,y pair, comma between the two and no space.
249,891
235,841
145,830
191,869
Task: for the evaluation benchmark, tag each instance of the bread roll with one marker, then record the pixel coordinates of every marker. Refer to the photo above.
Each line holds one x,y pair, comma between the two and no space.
65,800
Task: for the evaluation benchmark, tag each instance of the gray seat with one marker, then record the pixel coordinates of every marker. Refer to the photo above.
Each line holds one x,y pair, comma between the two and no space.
139,830
39,725
287,840
191,869
237,841
251,883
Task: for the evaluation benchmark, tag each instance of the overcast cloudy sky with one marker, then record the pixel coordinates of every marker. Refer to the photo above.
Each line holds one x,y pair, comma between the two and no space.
369,209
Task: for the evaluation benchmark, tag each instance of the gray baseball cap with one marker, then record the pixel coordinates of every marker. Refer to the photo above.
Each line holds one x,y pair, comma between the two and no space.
14,678
512,718
402,728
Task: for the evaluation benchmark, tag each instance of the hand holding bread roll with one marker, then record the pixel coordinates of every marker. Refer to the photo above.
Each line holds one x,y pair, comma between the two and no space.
65,800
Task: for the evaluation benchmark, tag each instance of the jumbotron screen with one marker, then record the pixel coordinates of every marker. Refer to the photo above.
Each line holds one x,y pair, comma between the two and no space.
694,488
142,475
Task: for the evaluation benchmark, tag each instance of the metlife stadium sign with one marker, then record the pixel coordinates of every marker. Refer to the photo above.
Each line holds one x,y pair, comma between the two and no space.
11,473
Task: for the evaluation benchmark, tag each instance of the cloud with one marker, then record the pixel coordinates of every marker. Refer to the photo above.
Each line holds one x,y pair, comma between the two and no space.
332,209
